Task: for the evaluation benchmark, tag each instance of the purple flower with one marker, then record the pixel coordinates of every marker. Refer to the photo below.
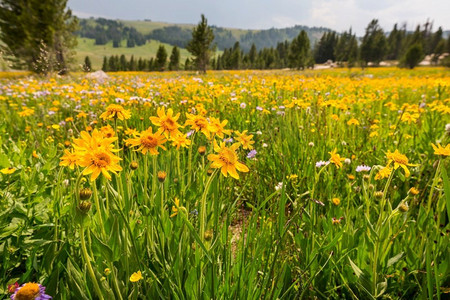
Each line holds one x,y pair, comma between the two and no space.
190,133
30,289
229,140
252,154
321,163
259,108
363,168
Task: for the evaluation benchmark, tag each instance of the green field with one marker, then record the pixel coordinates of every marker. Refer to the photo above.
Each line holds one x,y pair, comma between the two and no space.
87,47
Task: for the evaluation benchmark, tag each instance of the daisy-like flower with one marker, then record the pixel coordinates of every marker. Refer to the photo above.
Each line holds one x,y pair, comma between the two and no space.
69,159
321,163
439,150
89,142
363,168
353,122
399,160
100,161
198,123
8,171
167,123
226,160
116,111
147,141
30,291
244,139
217,127
181,140
175,207
383,173
136,276
336,159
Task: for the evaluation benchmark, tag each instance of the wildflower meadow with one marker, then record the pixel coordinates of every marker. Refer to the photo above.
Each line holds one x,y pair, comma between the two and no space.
320,184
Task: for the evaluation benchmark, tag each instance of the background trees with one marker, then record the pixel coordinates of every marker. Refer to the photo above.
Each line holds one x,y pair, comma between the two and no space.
37,34
201,44
374,45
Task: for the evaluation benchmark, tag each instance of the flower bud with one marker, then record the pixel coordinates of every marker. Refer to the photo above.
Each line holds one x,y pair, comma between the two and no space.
134,165
84,206
379,194
107,271
85,193
208,235
162,176
202,150
403,207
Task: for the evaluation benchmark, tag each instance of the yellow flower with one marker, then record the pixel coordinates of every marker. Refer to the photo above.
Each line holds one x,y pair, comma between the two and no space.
413,191
69,159
147,141
439,150
383,173
100,161
175,207
116,111
226,160
26,112
409,118
8,171
181,141
218,128
88,142
167,123
336,159
35,155
136,276
399,160
336,201
353,122
198,123
244,139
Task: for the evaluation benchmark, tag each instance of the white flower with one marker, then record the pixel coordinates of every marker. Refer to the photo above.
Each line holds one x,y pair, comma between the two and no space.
279,186
321,163
363,168
347,161
311,144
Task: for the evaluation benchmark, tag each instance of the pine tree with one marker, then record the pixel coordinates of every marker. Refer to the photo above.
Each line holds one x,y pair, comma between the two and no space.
123,65
36,31
252,54
201,44
174,60
374,45
87,66
300,51
105,66
161,58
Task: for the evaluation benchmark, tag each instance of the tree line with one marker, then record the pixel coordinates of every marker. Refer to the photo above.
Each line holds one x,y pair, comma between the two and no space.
160,62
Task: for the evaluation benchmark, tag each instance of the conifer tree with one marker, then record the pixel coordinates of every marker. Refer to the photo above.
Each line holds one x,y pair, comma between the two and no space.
174,60
200,46
161,58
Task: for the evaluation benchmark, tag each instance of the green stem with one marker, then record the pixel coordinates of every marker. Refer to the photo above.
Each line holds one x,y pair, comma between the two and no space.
202,211
88,263
433,186
99,209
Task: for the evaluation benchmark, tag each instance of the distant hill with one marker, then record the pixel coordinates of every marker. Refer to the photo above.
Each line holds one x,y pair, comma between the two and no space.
137,33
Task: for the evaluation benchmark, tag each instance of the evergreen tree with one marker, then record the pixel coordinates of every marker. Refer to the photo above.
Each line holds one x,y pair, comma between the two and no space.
116,43
325,48
235,58
105,66
374,45
87,66
187,64
112,64
252,55
37,32
174,60
123,63
130,43
161,58
395,43
132,64
300,51
201,44
413,56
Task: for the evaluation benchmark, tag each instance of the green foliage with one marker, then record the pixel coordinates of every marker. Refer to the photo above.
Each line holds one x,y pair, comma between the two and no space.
87,66
38,35
201,46
299,51
374,44
174,60
413,56
161,58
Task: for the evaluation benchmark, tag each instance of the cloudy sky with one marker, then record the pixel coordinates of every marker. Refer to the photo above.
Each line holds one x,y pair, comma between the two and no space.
262,14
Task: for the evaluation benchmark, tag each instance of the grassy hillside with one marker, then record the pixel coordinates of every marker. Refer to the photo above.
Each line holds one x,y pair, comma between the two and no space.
87,47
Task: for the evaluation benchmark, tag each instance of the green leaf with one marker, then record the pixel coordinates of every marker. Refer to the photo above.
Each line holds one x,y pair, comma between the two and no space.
101,249
446,189
394,259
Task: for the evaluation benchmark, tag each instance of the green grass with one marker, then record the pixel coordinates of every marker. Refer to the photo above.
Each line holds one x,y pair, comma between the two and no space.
87,47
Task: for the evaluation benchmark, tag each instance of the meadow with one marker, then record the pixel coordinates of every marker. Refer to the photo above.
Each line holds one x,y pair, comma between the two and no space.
327,184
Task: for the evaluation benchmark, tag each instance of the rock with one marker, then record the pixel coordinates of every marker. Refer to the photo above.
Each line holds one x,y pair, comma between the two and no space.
100,76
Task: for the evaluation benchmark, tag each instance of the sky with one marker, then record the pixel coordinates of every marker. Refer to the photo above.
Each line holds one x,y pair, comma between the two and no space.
338,15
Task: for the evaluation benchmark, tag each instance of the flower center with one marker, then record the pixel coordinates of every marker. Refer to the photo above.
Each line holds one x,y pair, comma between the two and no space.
149,142
28,292
168,124
101,160
227,156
